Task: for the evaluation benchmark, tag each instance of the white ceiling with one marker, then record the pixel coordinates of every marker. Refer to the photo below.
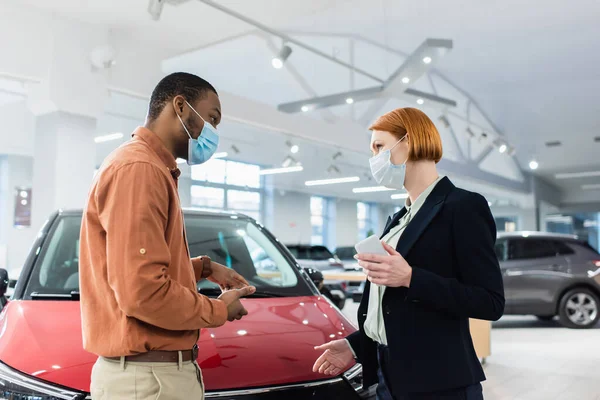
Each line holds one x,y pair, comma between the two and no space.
533,68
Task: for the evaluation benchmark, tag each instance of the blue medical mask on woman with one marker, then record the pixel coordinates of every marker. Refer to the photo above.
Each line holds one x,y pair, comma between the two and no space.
385,173
202,149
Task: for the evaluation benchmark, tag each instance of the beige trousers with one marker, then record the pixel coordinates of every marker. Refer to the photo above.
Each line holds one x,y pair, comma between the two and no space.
114,380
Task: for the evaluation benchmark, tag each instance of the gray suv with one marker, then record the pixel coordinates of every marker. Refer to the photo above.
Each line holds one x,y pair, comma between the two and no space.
548,274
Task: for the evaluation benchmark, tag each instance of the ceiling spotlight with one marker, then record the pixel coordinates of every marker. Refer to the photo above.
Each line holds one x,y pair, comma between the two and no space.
405,80
483,137
294,148
349,100
155,8
470,132
288,161
283,55
333,169
427,60
533,165
444,120
502,148
235,149
420,101
305,108
337,155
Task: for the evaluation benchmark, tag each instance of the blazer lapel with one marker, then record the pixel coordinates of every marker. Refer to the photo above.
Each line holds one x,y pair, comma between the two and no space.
393,221
418,224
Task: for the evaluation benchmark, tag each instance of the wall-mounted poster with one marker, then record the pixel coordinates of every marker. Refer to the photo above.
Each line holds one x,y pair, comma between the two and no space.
22,207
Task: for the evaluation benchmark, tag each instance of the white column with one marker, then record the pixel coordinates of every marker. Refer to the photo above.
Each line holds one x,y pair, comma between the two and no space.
346,223
15,173
64,162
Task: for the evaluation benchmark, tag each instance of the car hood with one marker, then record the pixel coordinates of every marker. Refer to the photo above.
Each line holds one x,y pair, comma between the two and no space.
273,345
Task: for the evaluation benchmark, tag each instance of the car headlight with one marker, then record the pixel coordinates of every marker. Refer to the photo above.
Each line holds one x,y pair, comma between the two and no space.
354,376
17,386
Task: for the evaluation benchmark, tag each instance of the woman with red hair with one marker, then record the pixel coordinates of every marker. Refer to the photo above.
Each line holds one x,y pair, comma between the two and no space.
440,270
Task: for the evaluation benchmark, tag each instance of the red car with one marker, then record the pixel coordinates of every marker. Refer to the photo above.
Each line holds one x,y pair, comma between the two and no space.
267,355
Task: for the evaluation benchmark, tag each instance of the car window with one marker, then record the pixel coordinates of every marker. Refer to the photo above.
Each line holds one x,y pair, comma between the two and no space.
57,270
345,253
529,248
236,243
501,250
320,253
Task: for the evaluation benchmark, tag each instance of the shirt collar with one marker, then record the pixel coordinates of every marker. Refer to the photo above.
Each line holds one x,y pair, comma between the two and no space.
422,197
159,148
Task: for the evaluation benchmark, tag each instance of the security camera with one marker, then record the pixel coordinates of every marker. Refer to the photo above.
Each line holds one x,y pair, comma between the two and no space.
103,57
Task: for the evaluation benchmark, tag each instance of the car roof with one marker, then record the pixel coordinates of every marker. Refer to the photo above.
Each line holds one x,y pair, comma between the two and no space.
536,234
186,211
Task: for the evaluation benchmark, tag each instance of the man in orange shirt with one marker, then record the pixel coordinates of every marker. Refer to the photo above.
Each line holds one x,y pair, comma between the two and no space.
141,311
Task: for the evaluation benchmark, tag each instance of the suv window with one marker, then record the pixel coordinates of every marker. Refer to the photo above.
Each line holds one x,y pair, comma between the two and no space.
562,249
523,249
501,250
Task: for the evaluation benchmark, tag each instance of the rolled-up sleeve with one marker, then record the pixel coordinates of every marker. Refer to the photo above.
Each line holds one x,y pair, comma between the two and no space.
133,207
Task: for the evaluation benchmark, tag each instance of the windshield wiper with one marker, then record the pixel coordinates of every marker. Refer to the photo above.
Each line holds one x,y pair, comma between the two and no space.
259,294
74,295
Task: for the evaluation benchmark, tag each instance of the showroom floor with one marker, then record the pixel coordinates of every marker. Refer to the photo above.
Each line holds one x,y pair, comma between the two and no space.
534,360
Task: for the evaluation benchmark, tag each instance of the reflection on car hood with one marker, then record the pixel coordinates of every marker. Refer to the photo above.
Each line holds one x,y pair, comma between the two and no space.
273,345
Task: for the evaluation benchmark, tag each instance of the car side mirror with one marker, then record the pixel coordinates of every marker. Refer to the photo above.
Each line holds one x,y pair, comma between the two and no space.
315,276
3,281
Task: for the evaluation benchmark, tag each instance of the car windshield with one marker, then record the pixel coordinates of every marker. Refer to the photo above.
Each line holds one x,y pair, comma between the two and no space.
237,243
345,253
318,253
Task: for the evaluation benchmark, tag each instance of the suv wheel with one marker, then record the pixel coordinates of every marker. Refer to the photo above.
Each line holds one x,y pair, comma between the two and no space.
579,309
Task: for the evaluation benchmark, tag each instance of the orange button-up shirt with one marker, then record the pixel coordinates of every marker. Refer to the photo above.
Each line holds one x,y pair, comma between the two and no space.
137,282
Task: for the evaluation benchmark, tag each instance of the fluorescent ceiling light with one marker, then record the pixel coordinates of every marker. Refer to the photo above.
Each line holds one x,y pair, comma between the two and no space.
222,154
587,174
533,164
503,148
305,108
427,60
405,80
420,101
273,171
332,181
349,100
371,189
591,187
295,149
108,138
399,196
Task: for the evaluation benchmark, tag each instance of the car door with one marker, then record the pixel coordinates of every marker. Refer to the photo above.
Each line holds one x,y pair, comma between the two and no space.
533,273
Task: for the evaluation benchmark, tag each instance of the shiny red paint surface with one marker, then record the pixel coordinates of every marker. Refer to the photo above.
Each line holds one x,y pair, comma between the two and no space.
273,345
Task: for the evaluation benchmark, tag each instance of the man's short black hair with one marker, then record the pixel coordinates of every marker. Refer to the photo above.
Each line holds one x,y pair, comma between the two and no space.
190,86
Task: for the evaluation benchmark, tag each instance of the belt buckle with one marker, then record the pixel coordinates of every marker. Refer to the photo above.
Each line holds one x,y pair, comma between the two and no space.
195,352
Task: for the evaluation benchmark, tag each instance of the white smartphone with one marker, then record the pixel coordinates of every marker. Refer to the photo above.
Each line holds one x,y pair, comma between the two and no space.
371,245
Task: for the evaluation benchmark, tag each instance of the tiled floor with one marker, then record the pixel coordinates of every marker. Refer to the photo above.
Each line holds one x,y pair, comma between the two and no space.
534,360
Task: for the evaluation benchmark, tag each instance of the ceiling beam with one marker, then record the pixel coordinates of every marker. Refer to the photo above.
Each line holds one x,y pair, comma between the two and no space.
414,67
287,38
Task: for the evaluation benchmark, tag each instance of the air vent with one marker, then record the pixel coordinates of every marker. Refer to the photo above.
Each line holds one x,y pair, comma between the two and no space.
555,143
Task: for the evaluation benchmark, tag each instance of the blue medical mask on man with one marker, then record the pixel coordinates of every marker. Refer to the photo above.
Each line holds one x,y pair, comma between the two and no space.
385,173
202,149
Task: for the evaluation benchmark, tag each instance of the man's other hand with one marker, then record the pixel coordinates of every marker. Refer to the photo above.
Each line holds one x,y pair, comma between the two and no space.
231,298
226,278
